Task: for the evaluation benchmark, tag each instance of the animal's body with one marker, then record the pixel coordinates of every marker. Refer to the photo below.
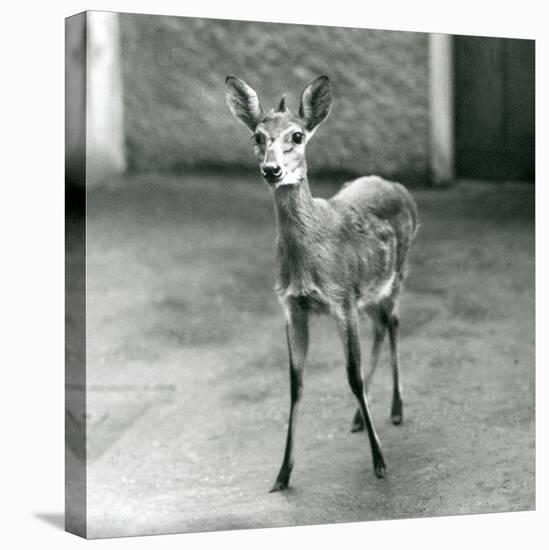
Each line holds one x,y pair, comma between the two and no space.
340,256
352,245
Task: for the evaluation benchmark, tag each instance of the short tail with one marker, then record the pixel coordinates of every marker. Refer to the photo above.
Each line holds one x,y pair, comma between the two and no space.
412,208
414,214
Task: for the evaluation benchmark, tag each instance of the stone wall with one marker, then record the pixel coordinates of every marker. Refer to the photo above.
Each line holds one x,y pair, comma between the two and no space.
176,117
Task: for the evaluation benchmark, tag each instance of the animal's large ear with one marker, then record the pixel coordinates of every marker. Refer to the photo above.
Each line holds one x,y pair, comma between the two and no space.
243,102
316,101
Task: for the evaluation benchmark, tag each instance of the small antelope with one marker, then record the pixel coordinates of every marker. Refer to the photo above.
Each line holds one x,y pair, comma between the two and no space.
340,256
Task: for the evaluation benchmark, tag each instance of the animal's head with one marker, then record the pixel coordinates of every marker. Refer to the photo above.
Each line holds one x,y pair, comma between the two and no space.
279,137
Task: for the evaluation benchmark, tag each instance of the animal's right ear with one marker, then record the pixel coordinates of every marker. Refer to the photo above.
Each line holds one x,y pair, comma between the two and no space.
243,102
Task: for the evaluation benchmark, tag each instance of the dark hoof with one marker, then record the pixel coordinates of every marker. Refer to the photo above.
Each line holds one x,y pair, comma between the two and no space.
379,469
357,427
279,486
396,412
379,466
282,479
357,424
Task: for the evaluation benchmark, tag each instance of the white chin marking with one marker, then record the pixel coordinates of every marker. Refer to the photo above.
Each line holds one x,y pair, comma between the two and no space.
288,179
281,183
285,185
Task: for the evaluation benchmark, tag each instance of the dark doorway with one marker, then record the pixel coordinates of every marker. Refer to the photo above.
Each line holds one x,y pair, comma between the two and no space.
495,108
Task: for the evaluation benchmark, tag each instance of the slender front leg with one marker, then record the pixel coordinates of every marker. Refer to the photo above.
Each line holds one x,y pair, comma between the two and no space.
297,334
380,329
396,407
348,324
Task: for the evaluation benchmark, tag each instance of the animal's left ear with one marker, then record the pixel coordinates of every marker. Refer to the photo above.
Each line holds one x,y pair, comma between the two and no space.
316,102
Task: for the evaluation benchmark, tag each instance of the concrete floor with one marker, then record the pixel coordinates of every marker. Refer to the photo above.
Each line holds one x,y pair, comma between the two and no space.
187,366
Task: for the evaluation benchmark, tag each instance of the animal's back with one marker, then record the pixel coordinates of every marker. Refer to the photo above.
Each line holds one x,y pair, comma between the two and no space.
387,201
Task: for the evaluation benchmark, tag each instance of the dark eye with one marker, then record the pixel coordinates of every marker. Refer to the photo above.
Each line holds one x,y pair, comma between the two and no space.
258,138
297,138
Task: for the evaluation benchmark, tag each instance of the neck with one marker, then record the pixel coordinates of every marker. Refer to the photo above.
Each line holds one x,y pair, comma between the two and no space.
294,211
295,221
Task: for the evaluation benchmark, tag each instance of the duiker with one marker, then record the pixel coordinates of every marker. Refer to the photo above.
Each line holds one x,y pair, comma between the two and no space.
342,256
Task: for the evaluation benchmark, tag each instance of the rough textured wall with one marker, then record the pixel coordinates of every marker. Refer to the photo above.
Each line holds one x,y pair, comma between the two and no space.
176,116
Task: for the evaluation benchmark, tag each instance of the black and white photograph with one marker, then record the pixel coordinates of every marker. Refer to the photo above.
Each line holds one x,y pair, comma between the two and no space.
300,274
274,274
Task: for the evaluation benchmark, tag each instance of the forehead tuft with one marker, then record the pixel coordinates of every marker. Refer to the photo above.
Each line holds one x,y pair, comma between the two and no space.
274,123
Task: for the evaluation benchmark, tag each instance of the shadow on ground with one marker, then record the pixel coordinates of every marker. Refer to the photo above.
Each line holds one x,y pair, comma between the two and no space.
187,369
55,520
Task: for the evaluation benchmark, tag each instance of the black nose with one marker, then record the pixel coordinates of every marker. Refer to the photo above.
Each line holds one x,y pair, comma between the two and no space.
271,171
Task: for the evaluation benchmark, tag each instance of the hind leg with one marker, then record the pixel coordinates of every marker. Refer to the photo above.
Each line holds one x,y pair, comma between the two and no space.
348,327
396,407
379,324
